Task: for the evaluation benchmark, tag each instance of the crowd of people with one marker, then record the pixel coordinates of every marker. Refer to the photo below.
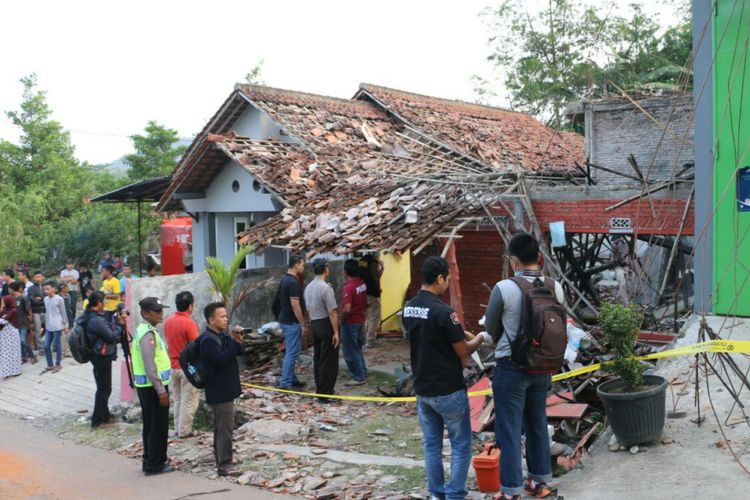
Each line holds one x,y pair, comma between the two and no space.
439,345
38,312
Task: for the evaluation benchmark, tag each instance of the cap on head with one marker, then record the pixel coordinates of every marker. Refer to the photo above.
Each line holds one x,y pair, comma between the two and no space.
319,265
151,304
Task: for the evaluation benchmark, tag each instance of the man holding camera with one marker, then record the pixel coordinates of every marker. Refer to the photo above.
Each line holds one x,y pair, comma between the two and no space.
151,374
102,337
218,354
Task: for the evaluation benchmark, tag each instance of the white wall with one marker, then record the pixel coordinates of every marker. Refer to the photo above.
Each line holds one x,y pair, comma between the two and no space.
249,197
257,126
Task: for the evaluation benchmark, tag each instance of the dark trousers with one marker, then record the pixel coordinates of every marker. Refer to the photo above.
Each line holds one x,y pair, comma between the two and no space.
325,356
103,377
155,430
223,427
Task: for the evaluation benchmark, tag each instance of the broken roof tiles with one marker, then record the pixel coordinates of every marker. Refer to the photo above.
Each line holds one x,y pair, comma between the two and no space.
385,170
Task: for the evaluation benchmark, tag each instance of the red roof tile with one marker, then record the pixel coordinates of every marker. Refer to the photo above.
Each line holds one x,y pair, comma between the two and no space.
493,135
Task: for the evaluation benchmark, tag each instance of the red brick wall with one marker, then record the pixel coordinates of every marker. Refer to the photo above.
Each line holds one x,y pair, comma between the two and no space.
588,216
480,257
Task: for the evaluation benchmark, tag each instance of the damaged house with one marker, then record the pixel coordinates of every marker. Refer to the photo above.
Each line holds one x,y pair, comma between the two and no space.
411,176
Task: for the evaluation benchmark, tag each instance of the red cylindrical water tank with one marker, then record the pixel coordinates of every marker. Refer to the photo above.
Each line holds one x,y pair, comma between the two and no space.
176,234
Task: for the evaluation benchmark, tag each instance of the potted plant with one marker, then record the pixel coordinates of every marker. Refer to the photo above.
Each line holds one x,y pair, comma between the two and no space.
634,402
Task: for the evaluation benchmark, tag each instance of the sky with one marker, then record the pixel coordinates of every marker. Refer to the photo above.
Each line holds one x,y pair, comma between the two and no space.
109,67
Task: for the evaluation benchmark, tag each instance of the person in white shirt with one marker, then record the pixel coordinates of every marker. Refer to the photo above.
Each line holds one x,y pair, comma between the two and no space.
70,277
56,323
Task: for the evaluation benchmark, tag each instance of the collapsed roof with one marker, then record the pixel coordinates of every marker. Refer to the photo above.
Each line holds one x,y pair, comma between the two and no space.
386,170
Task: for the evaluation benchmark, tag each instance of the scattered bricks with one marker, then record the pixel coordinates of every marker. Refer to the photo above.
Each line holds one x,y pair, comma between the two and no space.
314,483
245,478
329,493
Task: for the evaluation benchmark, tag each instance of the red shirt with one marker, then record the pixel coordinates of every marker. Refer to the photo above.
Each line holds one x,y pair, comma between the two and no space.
354,293
179,329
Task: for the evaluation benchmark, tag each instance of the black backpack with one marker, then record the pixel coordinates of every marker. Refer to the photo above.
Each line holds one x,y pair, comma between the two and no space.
542,337
191,364
78,342
276,305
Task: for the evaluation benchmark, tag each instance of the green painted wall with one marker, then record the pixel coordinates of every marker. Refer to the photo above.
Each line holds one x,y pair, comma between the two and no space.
731,132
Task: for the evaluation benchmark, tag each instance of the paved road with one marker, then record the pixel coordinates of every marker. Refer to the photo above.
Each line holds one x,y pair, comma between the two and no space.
37,464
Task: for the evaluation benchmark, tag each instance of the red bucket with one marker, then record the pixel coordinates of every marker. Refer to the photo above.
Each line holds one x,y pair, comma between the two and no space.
487,467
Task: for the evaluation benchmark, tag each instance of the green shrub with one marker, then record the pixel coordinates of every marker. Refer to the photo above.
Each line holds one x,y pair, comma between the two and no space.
620,326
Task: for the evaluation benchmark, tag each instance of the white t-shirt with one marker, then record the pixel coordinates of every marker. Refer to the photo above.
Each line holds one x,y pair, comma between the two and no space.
73,287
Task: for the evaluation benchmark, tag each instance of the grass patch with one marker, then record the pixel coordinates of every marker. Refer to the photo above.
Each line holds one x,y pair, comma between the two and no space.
410,477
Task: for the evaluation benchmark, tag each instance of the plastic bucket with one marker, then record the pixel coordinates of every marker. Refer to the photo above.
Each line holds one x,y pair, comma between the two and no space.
487,467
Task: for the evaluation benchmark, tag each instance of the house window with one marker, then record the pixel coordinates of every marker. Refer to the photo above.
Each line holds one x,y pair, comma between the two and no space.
235,186
256,186
240,225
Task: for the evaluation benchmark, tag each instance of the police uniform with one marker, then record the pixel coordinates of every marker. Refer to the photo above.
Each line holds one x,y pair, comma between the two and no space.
155,416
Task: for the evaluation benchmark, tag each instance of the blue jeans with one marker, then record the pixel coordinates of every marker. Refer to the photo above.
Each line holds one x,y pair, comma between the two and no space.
435,413
351,341
49,338
293,342
523,400
26,351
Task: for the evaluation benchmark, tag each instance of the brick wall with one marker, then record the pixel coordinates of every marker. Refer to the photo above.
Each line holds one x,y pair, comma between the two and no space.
480,259
618,128
588,216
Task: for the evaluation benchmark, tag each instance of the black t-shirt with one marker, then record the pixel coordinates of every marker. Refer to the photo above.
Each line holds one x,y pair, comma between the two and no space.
23,308
85,279
289,288
433,327
368,271
34,293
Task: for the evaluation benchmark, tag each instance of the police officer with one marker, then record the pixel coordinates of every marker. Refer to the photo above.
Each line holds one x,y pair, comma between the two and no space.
438,344
151,371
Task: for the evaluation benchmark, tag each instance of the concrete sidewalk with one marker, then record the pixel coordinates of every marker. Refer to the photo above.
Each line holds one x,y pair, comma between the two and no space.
36,464
67,392
697,464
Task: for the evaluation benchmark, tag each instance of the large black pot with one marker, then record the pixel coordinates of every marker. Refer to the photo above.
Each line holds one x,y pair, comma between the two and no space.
635,417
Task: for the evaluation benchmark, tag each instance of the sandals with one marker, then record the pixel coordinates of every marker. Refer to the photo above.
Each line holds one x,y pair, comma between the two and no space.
540,490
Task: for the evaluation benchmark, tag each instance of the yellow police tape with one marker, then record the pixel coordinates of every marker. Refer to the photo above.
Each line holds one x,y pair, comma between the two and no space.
728,346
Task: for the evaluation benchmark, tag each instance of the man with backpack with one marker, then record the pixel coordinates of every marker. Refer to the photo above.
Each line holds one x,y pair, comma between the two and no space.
101,337
218,355
526,319
179,329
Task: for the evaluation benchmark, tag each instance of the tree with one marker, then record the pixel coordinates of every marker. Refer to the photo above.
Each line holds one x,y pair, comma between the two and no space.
254,76
551,65
570,51
45,193
643,53
42,182
155,152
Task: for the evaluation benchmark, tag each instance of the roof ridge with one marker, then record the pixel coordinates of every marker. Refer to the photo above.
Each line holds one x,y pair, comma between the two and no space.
266,88
365,86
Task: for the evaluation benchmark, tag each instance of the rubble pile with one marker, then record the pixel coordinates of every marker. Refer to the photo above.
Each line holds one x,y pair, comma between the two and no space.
263,346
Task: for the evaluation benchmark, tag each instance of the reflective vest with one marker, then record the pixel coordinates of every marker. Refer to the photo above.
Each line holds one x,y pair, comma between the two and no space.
161,358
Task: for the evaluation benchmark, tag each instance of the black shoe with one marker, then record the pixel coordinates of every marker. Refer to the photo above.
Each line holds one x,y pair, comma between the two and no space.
299,384
167,468
230,471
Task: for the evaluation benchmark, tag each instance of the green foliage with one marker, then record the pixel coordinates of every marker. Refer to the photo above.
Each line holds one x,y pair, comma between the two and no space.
620,326
45,193
223,277
155,152
254,77
571,51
